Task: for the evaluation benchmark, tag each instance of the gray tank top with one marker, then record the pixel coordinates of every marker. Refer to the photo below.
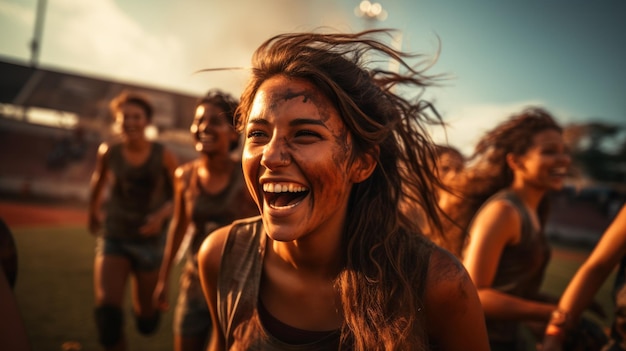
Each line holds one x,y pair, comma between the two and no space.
211,211
521,267
136,191
238,293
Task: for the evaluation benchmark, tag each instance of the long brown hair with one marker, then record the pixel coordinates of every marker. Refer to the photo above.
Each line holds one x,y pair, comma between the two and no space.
386,259
488,172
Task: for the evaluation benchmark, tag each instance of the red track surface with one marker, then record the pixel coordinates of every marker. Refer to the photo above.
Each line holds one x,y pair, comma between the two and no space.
35,215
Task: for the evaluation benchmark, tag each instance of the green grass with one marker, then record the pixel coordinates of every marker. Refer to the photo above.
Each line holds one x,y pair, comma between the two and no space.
55,292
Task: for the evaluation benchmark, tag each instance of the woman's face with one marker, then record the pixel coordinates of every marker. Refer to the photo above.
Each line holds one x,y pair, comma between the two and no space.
546,162
296,160
449,164
133,120
212,132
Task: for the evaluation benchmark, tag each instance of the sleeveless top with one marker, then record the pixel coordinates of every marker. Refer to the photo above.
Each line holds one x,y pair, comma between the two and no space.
136,191
211,211
238,292
521,267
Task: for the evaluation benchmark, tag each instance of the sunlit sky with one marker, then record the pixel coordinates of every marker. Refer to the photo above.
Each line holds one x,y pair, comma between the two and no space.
568,56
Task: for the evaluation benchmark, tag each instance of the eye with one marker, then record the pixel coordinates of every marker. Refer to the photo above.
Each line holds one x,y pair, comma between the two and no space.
256,135
307,135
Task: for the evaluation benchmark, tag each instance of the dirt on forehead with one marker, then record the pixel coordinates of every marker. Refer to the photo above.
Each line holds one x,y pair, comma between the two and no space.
18,214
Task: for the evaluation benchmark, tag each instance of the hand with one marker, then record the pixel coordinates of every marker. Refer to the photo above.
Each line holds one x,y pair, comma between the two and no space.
159,298
153,226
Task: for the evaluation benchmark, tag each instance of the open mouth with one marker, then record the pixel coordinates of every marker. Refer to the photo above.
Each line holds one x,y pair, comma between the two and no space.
284,195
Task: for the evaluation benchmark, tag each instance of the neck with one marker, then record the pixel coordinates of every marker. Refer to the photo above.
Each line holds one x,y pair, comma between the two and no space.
217,163
136,144
531,196
321,259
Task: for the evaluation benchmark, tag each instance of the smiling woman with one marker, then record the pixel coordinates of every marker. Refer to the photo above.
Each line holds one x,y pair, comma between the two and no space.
503,208
332,263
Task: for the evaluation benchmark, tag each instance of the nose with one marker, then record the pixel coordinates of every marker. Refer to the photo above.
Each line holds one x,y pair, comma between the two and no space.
275,154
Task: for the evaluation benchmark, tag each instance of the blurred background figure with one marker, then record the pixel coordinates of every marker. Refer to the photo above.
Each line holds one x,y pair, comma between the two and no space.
210,192
504,209
131,232
449,163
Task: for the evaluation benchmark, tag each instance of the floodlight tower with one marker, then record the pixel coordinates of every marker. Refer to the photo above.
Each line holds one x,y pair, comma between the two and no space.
35,43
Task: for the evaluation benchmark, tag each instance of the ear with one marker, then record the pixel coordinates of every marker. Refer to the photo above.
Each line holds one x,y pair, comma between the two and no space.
513,161
363,167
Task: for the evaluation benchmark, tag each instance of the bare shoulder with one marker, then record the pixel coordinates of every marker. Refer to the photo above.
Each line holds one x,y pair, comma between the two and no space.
453,313
183,171
444,267
210,254
499,210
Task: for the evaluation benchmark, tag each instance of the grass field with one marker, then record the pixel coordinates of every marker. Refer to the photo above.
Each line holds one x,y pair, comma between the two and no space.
55,293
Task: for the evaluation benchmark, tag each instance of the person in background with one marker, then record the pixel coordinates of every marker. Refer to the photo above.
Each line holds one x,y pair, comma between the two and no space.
209,193
131,229
504,209
330,151
582,288
449,164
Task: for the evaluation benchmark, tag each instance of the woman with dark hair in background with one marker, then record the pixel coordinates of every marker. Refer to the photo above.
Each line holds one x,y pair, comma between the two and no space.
449,164
332,263
209,193
504,192
138,207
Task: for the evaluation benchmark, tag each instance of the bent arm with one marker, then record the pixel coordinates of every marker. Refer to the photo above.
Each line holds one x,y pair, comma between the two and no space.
591,275
495,227
178,225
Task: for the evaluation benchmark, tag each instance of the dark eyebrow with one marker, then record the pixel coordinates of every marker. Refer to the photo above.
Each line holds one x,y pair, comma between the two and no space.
295,122
304,121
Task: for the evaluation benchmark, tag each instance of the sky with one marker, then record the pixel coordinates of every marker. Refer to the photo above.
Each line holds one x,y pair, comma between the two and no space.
568,56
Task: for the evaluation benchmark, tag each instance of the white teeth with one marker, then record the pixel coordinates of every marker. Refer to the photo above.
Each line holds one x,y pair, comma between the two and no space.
285,207
283,188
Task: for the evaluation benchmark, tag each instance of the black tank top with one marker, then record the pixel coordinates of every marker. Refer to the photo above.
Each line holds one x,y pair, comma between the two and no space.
136,191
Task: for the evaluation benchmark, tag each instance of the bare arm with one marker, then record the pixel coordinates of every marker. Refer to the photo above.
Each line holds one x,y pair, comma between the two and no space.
96,187
495,227
591,275
454,315
175,235
209,258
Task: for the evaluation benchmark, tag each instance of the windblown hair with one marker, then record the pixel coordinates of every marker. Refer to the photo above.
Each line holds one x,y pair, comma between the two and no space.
127,97
386,258
225,102
488,171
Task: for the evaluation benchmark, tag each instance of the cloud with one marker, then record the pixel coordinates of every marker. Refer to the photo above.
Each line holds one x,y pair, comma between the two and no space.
166,43
97,36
